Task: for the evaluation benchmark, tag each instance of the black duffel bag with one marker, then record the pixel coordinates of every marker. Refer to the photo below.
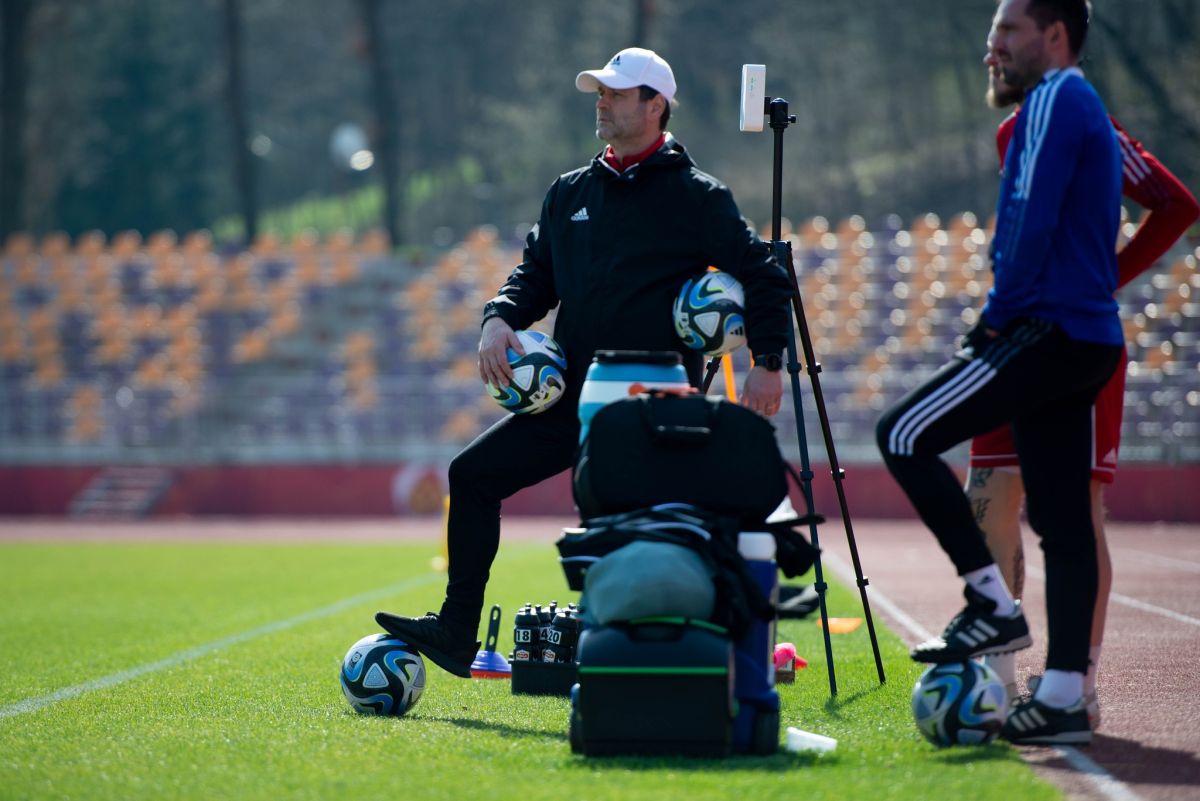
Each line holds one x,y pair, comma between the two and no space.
693,449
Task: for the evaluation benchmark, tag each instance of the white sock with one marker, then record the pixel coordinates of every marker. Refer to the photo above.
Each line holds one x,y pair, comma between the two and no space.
1005,666
1060,688
1089,679
988,582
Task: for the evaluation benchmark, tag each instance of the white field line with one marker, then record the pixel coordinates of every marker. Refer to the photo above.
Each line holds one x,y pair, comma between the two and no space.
1104,782
1134,603
180,657
1129,554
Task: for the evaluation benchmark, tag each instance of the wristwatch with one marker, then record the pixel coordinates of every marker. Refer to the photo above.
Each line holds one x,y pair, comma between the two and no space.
771,361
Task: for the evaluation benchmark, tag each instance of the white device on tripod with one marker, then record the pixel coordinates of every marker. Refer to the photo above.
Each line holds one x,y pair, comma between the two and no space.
754,85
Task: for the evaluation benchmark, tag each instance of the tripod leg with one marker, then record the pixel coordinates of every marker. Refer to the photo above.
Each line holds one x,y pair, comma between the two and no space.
784,255
709,372
777,109
783,250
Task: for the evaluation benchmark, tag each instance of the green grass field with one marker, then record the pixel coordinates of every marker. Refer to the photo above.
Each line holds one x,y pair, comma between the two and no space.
213,671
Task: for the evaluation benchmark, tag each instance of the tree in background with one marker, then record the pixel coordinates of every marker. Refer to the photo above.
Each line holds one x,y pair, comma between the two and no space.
235,98
472,109
14,19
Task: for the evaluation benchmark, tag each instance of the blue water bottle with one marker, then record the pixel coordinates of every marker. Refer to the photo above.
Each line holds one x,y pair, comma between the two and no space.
756,728
616,374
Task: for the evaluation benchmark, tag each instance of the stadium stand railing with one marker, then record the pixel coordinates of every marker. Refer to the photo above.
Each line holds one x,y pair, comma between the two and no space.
162,351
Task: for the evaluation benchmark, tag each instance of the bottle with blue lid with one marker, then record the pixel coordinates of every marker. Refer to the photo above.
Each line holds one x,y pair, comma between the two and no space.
616,374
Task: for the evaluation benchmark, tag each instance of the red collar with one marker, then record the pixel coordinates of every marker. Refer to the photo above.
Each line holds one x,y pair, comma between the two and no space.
621,165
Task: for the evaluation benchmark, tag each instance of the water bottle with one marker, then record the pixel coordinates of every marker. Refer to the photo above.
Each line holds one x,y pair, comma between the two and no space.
527,636
616,374
544,621
758,549
754,653
561,639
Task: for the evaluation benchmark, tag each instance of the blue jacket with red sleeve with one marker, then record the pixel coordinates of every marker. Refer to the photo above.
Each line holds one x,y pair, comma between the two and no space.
1053,251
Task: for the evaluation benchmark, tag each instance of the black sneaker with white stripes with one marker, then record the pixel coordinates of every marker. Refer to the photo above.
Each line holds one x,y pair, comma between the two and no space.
976,631
1034,723
1091,701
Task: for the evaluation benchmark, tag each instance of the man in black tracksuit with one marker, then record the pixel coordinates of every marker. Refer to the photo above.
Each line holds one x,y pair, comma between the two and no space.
615,243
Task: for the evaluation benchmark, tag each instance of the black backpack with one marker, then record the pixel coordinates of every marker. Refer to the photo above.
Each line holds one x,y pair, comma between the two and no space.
694,449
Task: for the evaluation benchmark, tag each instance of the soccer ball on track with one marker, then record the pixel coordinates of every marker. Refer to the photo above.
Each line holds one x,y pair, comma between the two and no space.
539,377
959,703
382,675
709,313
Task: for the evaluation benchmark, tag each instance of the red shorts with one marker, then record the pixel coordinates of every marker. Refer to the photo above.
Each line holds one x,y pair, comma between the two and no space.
996,448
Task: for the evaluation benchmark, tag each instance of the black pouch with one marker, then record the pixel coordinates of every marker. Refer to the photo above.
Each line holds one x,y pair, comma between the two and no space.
692,449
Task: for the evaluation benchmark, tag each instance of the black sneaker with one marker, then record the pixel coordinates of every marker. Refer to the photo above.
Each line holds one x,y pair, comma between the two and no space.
1034,723
976,631
449,650
1091,701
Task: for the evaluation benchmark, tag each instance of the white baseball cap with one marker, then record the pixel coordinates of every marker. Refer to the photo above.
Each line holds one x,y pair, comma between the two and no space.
633,66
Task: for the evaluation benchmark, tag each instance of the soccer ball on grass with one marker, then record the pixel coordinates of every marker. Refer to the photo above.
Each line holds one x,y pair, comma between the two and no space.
382,675
959,703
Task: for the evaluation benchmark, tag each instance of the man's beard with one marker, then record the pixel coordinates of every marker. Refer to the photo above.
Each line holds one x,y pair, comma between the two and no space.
1002,95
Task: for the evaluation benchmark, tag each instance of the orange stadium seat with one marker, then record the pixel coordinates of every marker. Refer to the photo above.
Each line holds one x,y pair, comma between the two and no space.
265,245
364,398
87,427
252,346
360,372
344,269
810,232
152,372
18,245
340,241
284,320
464,369
461,426
376,242
49,373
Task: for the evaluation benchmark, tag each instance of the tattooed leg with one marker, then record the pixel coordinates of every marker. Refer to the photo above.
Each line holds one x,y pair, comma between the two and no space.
996,497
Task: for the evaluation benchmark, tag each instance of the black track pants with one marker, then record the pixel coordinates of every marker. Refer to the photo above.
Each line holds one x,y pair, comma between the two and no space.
1045,384
517,452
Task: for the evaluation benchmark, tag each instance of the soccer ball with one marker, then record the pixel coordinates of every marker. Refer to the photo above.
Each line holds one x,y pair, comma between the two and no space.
382,675
709,313
959,703
539,377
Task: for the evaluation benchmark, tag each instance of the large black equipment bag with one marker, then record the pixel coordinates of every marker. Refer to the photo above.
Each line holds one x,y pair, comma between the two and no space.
693,449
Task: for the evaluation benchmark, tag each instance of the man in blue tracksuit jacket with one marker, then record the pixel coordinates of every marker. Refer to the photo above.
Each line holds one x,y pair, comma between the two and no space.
1047,340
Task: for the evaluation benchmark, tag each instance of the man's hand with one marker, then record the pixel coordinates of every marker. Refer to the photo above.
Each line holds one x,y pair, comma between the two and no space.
495,340
763,391
978,337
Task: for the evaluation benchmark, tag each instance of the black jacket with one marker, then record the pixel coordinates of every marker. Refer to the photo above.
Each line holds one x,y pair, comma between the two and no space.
615,249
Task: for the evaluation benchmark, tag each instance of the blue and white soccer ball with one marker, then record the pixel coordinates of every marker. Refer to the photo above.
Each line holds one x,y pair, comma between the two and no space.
709,313
382,675
959,703
539,377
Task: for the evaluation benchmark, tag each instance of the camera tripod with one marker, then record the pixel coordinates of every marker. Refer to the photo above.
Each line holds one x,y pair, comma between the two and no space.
777,111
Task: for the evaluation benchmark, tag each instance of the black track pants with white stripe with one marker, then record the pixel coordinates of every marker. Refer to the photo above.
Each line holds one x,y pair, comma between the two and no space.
1044,383
517,452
